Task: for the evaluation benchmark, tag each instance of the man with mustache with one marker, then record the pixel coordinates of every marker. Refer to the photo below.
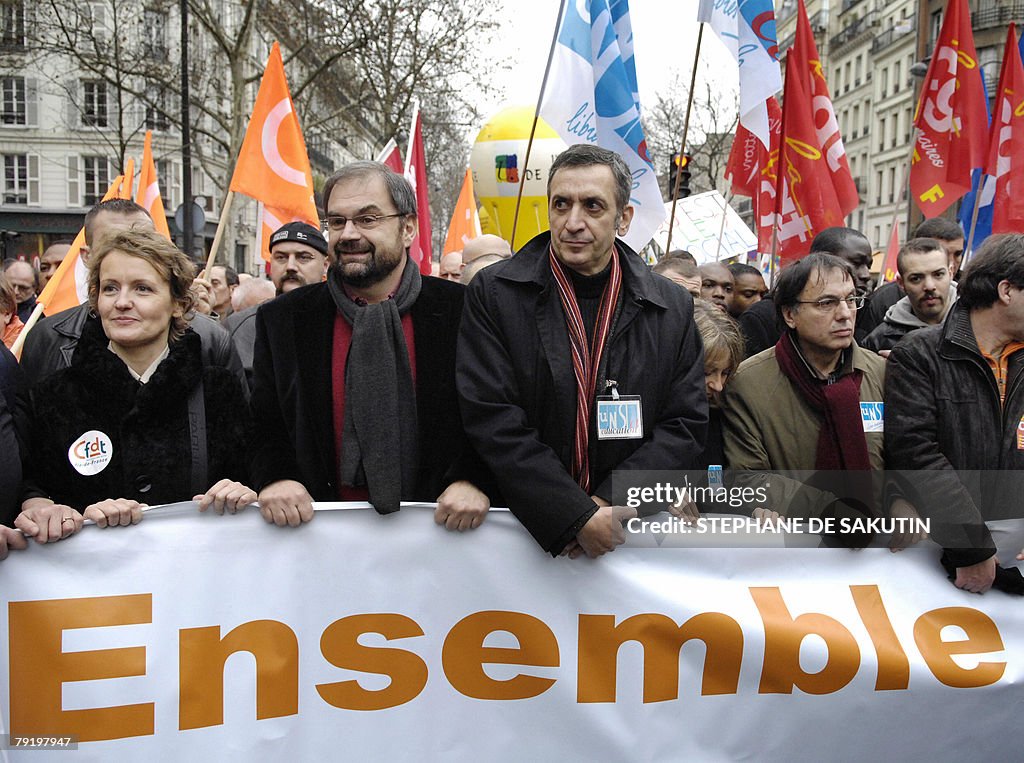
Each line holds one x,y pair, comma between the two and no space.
354,377
925,274
298,256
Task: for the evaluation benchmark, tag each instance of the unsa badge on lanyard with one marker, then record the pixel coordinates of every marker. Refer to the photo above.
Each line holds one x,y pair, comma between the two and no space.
619,417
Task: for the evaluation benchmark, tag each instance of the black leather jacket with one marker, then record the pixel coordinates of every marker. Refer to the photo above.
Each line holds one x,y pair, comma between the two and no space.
956,445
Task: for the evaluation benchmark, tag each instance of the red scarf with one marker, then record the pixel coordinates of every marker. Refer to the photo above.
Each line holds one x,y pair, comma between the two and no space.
586,360
841,442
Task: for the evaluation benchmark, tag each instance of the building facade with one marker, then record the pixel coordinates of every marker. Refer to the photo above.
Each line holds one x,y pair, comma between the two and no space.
72,112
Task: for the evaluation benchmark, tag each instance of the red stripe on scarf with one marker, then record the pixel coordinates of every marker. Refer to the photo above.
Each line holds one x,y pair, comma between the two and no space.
585,360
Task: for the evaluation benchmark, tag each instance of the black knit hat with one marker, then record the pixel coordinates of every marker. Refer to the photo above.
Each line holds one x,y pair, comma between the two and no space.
302,232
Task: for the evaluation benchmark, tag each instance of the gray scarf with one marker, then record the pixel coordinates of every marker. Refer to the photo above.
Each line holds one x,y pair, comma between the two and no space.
378,441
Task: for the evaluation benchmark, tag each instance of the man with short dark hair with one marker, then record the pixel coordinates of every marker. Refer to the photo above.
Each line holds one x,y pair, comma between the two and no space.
748,288
954,420
923,271
562,340
947,233
223,281
50,345
51,260
716,284
797,405
760,326
354,378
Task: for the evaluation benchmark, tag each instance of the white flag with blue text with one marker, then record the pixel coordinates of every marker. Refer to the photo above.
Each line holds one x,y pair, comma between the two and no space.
592,98
747,27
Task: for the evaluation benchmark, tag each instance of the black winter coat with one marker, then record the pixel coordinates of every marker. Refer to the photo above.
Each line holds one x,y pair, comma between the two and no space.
292,398
147,425
518,390
942,413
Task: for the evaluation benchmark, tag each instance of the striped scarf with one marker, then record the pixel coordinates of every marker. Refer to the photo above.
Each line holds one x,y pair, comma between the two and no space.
586,360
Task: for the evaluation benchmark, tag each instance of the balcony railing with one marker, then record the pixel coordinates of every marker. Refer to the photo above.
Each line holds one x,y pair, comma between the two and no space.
996,13
895,34
855,30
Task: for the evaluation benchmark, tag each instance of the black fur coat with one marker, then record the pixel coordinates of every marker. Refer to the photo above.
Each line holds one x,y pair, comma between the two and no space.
147,426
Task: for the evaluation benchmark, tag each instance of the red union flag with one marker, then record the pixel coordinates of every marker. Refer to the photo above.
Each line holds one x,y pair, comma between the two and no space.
807,200
751,171
416,173
826,124
1006,144
951,117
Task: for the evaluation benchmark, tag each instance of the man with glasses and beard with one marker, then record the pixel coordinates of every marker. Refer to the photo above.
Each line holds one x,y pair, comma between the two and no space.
354,378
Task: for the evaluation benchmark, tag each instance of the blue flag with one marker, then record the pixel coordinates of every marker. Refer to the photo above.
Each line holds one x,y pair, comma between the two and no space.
983,225
592,98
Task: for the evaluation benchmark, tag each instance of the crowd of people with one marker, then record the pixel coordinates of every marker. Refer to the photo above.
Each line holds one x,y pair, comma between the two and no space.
523,381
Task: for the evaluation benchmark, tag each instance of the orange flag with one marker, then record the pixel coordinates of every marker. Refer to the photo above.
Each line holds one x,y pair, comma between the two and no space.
270,220
465,223
273,166
68,287
149,189
952,134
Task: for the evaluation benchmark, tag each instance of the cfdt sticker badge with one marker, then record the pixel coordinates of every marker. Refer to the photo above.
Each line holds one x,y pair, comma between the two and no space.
91,453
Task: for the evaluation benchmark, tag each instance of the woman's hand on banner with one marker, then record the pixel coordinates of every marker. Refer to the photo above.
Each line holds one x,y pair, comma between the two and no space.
115,512
226,495
47,521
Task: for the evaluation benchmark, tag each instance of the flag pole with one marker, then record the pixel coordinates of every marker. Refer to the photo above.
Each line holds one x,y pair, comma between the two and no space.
37,313
904,195
536,118
225,213
969,247
682,148
721,228
412,132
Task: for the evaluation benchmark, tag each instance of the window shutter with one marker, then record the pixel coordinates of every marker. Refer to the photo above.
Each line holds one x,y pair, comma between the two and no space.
72,99
31,102
112,105
74,181
33,179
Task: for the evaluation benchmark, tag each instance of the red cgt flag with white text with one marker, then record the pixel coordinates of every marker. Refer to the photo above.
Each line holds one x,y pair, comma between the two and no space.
1006,145
951,119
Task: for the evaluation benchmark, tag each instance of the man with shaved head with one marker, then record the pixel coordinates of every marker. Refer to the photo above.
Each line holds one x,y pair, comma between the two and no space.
451,266
485,244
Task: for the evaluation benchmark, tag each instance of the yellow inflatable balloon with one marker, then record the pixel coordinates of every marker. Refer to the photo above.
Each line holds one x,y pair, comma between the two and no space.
499,154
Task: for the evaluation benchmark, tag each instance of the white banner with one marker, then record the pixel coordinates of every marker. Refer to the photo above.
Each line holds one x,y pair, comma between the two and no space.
698,228
385,637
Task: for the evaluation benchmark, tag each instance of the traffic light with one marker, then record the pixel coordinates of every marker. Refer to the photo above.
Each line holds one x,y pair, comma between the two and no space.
681,163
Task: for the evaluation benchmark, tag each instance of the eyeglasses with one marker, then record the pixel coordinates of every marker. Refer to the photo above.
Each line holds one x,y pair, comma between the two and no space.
361,222
303,258
831,304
